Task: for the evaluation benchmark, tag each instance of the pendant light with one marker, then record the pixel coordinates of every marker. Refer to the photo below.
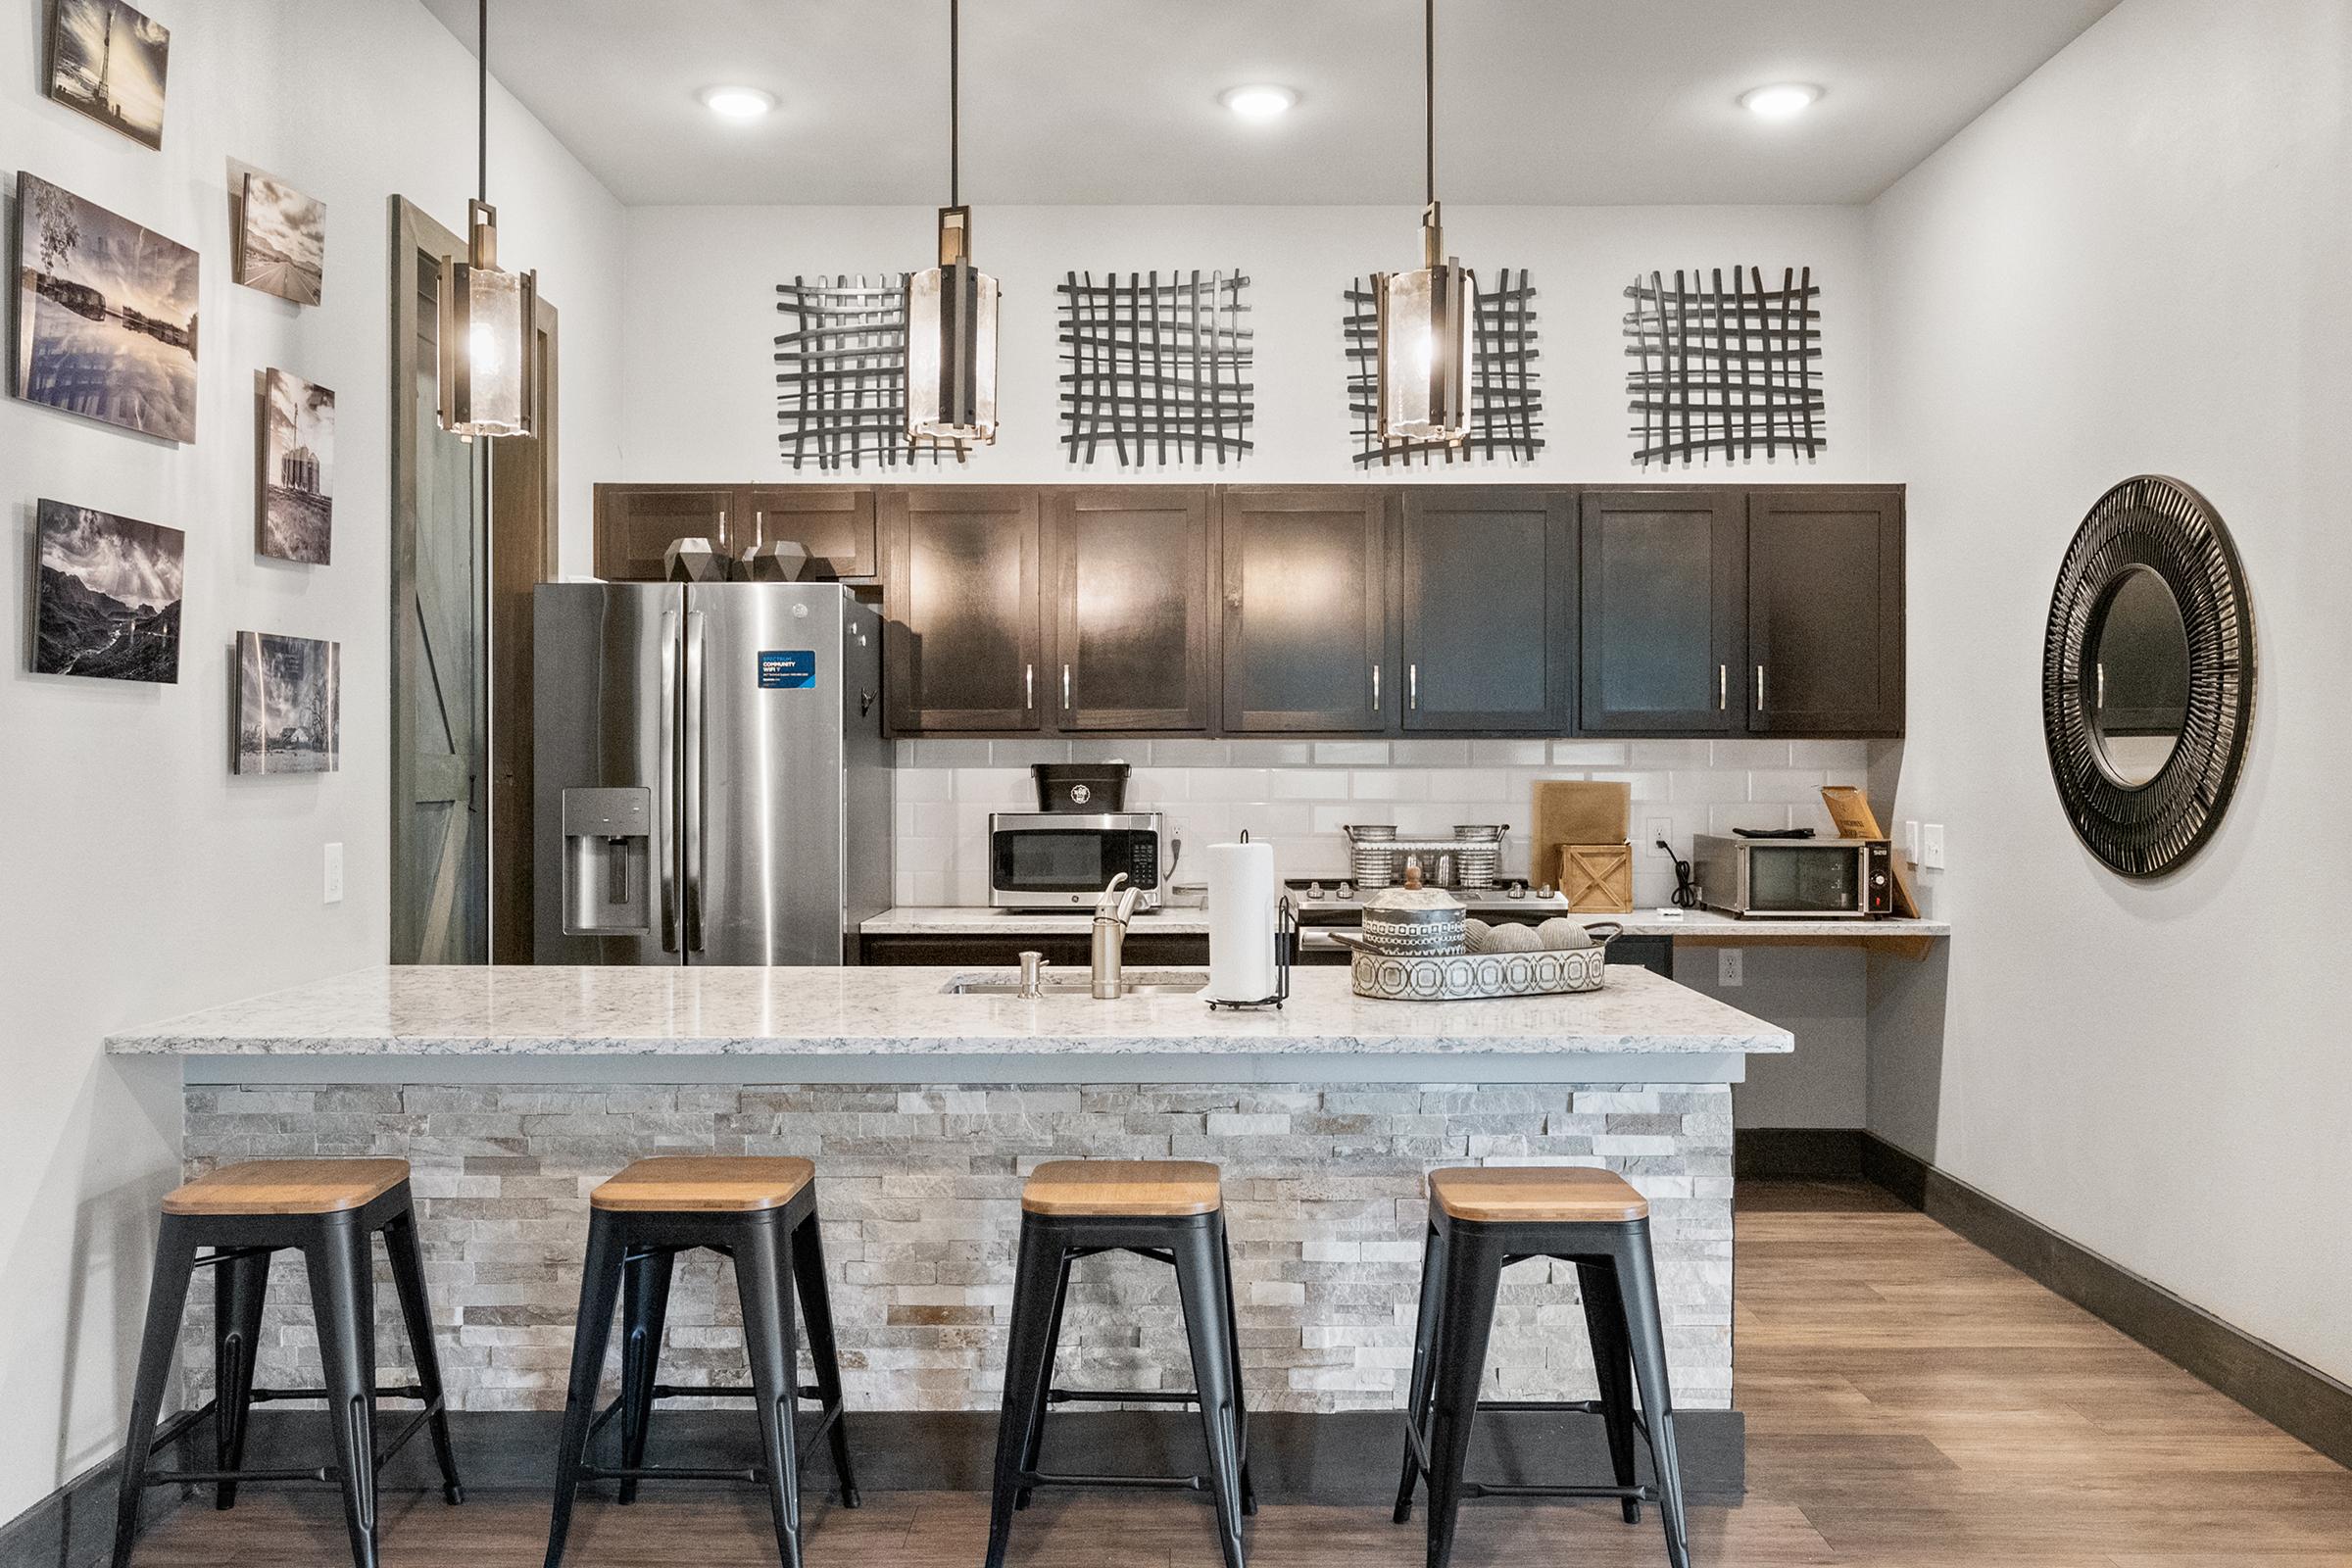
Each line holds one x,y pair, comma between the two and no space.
952,309
487,366
1424,316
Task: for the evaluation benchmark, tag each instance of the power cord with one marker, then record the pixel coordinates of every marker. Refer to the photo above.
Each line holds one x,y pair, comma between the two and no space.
1686,891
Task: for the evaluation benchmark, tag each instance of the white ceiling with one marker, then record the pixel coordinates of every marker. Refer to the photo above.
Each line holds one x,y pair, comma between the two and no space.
1080,101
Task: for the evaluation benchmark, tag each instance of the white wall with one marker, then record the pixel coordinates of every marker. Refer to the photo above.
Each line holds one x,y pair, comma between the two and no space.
2134,263
701,395
142,879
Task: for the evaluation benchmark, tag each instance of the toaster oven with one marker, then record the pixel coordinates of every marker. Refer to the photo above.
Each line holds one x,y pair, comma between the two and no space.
1805,879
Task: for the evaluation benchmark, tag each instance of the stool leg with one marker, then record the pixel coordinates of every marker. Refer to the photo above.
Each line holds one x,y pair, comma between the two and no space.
1637,1285
763,1279
1028,1374
167,1299
1233,1351
343,1302
238,1289
600,1288
1472,1279
1612,1368
1198,1277
416,1311
1425,1360
1035,1452
816,1312
644,1312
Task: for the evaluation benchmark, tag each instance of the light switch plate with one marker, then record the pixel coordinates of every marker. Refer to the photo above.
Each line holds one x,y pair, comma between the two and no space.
335,873
1731,966
1931,848
1911,841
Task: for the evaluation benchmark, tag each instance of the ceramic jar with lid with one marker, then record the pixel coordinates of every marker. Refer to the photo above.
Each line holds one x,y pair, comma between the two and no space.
1414,921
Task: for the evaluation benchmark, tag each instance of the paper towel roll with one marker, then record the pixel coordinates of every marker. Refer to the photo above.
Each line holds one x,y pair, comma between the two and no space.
1242,893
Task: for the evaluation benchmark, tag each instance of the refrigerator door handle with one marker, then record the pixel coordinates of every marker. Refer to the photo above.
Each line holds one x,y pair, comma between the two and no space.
694,781
665,785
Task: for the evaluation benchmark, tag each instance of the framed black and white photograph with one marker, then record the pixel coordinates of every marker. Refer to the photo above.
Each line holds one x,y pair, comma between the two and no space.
281,240
107,604
107,61
298,462
106,315
289,701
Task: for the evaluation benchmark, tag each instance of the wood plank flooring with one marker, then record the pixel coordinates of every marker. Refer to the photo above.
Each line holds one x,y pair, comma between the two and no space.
1912,1402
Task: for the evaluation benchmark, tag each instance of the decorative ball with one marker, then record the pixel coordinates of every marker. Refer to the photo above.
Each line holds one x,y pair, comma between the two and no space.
1477,935
1560,934
1514,938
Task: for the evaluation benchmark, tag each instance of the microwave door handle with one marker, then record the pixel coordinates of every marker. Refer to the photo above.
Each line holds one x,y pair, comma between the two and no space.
695,867
666,783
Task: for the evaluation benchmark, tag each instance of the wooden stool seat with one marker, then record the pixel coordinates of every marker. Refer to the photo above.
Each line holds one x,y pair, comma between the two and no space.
1562,1194
287,1186
704,1184
1122,1189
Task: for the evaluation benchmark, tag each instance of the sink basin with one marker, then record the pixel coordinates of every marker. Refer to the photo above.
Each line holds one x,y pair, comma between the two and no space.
1080,983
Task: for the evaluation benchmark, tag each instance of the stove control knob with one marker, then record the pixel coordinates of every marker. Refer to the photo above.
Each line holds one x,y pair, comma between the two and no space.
1346,890
1518,890
1315,889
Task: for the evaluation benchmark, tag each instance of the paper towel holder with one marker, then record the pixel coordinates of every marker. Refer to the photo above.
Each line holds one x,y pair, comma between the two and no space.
1286,933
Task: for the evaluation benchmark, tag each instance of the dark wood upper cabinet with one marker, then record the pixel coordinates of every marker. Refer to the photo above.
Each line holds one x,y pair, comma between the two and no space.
1662,594
635,524
1487,609
1825,611
1131,606
1306,623
961,648
834,523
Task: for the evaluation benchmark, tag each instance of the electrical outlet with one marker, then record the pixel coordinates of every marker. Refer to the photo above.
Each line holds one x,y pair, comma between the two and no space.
1930,847
1911,841
1656,830
1731,966
335,873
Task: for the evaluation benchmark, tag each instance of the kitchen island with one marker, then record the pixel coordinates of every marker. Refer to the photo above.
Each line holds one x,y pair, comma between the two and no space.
514,1091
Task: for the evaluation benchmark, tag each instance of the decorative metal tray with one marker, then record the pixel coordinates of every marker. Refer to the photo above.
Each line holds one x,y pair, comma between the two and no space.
1472,976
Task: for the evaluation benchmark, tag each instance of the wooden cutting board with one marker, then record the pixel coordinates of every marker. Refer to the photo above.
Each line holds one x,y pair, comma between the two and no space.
1576,810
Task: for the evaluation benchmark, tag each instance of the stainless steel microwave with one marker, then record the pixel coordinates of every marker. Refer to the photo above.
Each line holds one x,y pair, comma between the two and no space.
1062,859
1803,880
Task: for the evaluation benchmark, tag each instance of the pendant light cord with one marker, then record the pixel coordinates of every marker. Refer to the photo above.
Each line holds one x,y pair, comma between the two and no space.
955,102
482,125
1429,96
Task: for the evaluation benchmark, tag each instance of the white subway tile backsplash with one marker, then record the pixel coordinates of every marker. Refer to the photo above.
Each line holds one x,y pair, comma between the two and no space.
1336,818
1351,754
923,783
1785,786
1189,753
1731,818
1472,784
1308,784
1750,754
1670,754
1647,784
1589,754
1508,753
1024,754
1429,753
1231,784
951,754
1705,786
1269,754
1006,788
1155,789
1389,784
1850,756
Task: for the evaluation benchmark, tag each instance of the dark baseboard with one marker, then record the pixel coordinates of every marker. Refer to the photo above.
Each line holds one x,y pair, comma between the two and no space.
2295,1395
1350,1458
1796,1152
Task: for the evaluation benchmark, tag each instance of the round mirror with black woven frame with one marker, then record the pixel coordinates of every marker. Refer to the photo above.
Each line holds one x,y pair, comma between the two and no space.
2147,675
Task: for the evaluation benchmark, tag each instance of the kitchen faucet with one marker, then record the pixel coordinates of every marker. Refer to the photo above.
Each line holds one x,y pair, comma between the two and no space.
1113,908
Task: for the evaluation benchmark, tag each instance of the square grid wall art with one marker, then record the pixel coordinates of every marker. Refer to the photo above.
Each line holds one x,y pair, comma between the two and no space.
1727,369
1158,363
1507,398
289,705
106,603
109,61
281,240
842,373
106,315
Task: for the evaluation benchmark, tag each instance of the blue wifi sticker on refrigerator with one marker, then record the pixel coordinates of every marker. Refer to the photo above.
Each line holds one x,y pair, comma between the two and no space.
788,668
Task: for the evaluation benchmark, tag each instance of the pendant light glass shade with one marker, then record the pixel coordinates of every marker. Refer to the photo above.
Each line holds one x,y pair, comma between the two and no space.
1424,321
952,343
485,337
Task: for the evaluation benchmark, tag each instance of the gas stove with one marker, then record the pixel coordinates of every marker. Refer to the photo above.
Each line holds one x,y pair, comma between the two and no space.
1340,903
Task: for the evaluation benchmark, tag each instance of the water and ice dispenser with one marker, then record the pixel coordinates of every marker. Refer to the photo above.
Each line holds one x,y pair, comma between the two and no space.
607,862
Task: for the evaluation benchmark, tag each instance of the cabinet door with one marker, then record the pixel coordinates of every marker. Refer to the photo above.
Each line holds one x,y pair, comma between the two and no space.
1486,612
635,524
1825,612
834,523
1663,617
1131,606
961,645
1307,629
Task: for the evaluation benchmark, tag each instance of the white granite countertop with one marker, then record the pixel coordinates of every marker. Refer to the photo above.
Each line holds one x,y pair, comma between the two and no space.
889,1011
970,921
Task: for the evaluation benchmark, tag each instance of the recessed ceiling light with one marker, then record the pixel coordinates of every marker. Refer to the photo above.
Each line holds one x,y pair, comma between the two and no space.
1261,101
1784,100
737,103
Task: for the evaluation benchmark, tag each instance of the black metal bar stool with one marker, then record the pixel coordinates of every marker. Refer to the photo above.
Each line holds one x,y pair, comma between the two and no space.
1481,1220
328,1209
762,1214
1173,1212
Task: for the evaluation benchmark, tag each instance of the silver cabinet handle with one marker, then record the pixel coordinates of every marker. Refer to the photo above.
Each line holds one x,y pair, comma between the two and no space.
1376,686
1759,687
1029,687
1065,687
1412,685
1722,688
694,866
665,782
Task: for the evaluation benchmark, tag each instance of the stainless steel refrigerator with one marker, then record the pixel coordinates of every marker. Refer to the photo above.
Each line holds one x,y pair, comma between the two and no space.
712,785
